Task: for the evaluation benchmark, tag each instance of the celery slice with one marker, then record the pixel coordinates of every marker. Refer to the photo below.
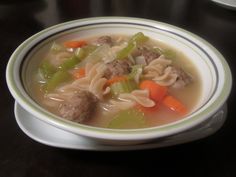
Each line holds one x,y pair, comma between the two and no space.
58,78
135,70
96,54
69,63
85,51
138,38
167,53
80,53
89,49
130,118
46,69
125,86
125,51
158,50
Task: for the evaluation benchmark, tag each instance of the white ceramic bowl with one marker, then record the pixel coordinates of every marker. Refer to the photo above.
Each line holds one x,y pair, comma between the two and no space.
214,72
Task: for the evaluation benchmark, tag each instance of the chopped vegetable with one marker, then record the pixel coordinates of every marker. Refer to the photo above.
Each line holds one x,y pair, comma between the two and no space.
156,92
125,51
58,78
130,118
167,52
47,69
136,73
138,38
94,54
115,79
90,53
157,50
132,44
79,73
124,86
140,60
80,53
89,49
75,44
69,63
131,58
85,51
175,105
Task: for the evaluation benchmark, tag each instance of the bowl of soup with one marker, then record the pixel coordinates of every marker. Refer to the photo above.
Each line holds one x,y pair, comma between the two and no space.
119,80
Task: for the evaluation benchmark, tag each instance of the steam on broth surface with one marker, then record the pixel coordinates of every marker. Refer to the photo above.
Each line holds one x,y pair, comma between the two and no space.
116,81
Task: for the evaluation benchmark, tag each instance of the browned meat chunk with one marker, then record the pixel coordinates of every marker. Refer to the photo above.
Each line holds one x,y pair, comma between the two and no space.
183,78
147,54
104,40
80,107
117,68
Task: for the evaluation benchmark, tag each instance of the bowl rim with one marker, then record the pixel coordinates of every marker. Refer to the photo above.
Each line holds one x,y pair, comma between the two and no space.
117,134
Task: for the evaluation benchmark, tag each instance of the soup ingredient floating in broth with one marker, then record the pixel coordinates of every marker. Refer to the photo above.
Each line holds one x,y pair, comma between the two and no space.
75,44
79,106
130,118
113,81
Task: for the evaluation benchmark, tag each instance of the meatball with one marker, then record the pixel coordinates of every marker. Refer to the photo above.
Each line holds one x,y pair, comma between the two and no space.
80,107
117,68
147,54
183,78
104,40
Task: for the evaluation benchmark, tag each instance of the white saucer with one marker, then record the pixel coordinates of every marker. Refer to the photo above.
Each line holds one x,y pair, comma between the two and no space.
52,136
230,4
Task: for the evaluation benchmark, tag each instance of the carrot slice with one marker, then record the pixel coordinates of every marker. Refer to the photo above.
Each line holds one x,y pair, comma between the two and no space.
156,91
175,105
75,44
80,73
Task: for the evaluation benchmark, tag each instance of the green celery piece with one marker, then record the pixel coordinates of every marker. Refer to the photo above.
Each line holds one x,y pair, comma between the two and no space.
130,118
80,53
47,69
89,49
134,71
58,78
138,38
158,50
85,51
169,54
125,86
69,63
122,54
94,54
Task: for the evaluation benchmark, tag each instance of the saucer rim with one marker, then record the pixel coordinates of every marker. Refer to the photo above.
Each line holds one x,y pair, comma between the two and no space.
95,146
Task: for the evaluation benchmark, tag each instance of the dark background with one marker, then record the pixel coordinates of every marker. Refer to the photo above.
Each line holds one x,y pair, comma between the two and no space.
20,156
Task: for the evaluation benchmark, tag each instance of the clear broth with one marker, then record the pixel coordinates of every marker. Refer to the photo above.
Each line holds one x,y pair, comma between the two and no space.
188,95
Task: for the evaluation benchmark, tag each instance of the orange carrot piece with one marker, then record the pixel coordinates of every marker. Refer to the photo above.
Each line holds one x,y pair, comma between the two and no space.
156,91
80,73
75,44
115,79
174,104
